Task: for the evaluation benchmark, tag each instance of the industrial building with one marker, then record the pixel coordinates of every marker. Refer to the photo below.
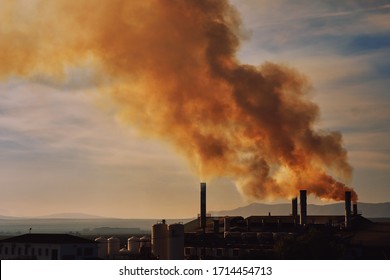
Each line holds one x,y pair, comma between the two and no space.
166,243
348,235
35,246
230,237
237,237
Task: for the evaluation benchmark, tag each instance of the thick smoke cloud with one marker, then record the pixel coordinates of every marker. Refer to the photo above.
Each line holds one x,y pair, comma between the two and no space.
171,69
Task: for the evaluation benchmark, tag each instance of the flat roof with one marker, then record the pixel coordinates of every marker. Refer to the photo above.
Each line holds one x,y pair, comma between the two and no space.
44,238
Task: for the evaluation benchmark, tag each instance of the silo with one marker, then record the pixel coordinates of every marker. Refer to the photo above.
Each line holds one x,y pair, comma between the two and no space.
144,241
176,242
144,246
133,245
160,240
113,246
102,247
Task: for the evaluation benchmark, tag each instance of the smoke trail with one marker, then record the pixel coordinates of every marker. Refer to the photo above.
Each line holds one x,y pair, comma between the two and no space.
171,68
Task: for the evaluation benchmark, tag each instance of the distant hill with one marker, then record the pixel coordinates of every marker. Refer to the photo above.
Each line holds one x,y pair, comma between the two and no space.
70,215
369,210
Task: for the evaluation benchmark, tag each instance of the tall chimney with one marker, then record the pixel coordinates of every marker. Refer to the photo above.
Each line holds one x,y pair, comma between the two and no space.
347,209
203,206
216,226
294,207
303,203
355,210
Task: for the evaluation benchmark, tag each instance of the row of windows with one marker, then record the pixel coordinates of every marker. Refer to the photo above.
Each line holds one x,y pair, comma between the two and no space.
188,251
25,251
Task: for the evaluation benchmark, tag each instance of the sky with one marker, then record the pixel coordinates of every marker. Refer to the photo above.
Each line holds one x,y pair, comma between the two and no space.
64,147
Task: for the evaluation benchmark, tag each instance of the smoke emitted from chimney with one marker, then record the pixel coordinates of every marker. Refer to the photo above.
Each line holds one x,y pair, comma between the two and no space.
171,69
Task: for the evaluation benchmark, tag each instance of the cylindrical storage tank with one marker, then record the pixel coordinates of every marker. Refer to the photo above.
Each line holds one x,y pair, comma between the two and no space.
176,242
133,245
144,241
144,246
102,247
160,241
113,246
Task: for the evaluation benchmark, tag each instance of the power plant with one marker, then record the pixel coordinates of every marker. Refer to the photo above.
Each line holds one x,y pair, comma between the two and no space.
289,236
229,237
233,237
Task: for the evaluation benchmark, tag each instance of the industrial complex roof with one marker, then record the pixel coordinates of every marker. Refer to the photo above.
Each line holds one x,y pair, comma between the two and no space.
47,238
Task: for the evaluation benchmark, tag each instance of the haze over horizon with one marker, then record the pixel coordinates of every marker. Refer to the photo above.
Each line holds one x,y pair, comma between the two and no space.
67,146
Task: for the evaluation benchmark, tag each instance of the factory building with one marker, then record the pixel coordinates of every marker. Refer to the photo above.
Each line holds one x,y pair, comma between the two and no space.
237,237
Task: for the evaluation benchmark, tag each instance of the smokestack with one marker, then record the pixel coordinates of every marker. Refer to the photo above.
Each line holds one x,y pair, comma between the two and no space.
203,206
216,226
347,209
355,210
303,204
226,226
294,207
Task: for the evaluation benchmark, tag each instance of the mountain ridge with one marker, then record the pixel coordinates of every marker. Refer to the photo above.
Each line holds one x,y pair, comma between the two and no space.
370,210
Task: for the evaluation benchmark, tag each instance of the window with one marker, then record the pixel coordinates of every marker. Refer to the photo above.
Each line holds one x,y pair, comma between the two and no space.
33,251
39,252
19,251
6,250
46,252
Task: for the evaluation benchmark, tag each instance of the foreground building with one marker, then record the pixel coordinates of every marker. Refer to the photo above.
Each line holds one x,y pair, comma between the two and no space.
48,247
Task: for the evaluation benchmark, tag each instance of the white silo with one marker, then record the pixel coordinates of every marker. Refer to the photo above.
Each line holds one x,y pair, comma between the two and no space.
160,240
102,247
176,242
113,246
133,244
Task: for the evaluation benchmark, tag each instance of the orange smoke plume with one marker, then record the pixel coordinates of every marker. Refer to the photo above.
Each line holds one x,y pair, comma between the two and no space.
172,70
